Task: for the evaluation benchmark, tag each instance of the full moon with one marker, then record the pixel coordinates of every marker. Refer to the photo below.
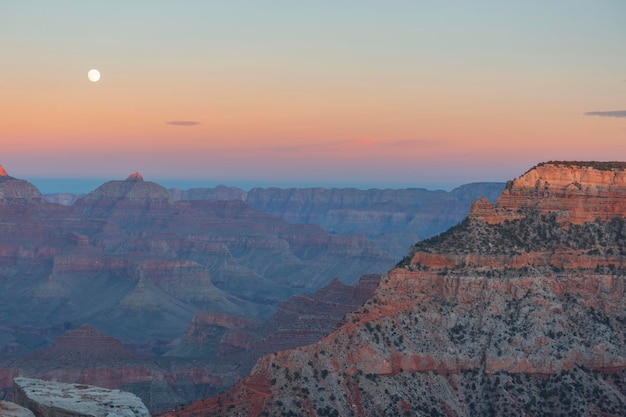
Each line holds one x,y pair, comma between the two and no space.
93,75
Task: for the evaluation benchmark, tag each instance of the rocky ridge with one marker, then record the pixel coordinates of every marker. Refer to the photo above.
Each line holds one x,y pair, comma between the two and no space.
525,315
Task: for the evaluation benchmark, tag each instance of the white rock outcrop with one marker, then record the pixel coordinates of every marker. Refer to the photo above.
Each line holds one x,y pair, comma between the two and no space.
50,399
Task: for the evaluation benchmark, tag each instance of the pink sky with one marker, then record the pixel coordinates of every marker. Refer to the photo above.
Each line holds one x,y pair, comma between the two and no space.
355,94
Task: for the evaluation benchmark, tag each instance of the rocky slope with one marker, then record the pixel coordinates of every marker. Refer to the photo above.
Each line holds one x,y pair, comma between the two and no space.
520,310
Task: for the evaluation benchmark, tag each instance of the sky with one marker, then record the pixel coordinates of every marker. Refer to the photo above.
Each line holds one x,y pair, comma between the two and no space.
367,94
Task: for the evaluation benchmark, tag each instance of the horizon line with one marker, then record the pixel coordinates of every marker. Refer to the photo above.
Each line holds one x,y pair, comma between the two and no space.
69,185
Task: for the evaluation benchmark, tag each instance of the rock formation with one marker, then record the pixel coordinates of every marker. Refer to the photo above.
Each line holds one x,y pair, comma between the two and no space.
16,190
577,192
133,189
524,315
51,399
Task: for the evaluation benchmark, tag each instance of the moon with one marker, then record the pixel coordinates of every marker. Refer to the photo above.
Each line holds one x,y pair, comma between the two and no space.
93,75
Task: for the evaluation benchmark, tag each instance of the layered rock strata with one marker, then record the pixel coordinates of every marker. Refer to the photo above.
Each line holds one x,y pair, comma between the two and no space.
577,192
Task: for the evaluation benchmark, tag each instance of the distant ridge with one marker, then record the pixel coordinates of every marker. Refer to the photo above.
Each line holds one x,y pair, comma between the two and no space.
393,218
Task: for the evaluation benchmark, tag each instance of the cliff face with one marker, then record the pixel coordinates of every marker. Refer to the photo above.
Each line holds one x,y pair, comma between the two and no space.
518,317
577,192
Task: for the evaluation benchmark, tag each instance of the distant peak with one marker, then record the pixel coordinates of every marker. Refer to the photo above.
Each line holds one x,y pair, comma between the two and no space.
3,172
135,176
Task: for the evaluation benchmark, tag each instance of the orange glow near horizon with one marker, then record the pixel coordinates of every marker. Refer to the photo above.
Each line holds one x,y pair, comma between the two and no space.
416,96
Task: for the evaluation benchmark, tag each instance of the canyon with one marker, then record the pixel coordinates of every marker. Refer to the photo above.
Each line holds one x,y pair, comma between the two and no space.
518,310
393,219
215,351
173,298
136,265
